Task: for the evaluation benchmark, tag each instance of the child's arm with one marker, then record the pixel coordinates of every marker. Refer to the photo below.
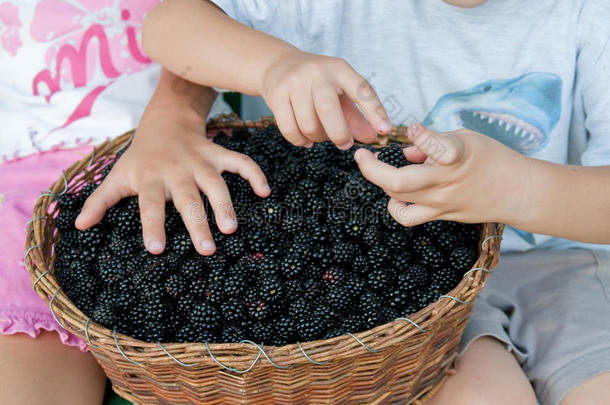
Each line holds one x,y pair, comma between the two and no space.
170,157
312,97
470,177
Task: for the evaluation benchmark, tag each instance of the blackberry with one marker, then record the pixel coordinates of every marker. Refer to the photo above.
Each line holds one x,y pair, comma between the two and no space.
401,262
334,275
69,202
175,285
122,247
448,241
380,279
233,246
399,298
87,190
412,279
262,332
421,242
309,328
344,252
113,270
354,229
193,268
292,223
271,289
234,283
431,257
232,310
157,308
91,237
300,307
128,222
181,243
292,266
371,235
232,334
444,280
360,264
204,316
377,256
340,298
285,330
462,259
259,310
393,156
103,313
65,220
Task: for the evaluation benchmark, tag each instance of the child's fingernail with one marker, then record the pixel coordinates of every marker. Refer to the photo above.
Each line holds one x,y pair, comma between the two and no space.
358,155
309,145
346,145
385,126
229,222
266,188
155,245
207,245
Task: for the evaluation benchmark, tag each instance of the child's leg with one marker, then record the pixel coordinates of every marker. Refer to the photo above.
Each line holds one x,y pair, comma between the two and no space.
594,391
488,374
45,371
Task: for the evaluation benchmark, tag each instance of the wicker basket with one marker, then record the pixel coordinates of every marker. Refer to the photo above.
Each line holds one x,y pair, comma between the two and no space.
400,362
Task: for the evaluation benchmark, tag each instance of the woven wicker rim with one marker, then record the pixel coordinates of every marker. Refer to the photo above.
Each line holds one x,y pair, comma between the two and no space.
238,357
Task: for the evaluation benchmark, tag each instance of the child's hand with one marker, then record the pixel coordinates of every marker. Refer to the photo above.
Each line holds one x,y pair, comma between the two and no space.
313,98
172,159
465,176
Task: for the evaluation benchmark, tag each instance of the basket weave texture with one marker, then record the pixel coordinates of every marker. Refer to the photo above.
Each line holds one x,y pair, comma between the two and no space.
404,361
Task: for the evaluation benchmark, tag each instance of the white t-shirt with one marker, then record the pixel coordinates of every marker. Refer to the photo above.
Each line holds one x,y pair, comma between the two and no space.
534,75
71,72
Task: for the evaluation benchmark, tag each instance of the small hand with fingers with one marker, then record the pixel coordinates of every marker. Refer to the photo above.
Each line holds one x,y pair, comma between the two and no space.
315,98
465,176
174,160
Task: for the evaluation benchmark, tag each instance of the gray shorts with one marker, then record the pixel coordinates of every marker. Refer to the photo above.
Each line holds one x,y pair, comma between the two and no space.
552,309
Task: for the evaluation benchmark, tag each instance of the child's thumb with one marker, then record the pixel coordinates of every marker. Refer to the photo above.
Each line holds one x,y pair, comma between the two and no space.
445,149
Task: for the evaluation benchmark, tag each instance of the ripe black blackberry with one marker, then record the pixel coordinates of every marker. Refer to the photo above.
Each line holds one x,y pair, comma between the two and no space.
421,242
271,289
447,240
309,328
371,235
65,220
298,308
340,298
377,256
443,280
203,315
401,262
393,155
93,236
113,270
379,280
259,309
235,281
344,252
233,246
432,257
175,285
399,298
412,279
181,243
193,267
103,312
462,258
232,334
157,308
69,202
232,310
292,266
262,332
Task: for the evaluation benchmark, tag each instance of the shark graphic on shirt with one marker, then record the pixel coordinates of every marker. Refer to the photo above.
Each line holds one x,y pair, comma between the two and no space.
519,112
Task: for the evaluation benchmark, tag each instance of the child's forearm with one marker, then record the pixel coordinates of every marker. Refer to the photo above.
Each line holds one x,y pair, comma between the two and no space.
191,102
179,34
572,202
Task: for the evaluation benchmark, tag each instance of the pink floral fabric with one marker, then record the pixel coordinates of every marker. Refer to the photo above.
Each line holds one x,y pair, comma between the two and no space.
9,28
21,182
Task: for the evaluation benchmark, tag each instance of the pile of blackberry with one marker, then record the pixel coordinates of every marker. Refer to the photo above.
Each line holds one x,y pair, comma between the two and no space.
320,257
